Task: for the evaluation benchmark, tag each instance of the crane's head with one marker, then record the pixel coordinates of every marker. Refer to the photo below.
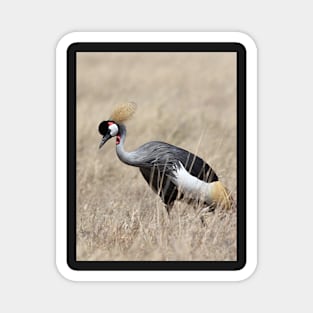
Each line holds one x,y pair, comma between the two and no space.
108,129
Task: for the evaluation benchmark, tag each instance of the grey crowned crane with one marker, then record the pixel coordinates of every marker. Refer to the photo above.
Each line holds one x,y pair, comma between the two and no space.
172,172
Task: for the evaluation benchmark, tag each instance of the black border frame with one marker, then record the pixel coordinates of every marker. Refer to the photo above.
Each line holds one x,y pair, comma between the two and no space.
241,154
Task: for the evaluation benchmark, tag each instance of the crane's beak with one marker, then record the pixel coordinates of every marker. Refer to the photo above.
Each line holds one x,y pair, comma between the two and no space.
104,139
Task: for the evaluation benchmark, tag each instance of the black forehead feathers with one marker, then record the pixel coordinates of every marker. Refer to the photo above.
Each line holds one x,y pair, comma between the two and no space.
103,127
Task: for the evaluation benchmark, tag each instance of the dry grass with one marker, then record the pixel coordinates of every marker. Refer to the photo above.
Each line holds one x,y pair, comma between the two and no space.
188,100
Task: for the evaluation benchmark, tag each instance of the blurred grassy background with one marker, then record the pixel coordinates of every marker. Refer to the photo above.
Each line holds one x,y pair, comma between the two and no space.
186,99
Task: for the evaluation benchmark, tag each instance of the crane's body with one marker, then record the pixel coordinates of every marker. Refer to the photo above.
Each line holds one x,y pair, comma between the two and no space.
172,172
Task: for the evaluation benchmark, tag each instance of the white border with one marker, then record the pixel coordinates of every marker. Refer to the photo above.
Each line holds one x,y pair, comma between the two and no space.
61,104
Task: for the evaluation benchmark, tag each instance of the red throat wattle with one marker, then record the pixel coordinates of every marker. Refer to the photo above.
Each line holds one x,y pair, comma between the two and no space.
118,139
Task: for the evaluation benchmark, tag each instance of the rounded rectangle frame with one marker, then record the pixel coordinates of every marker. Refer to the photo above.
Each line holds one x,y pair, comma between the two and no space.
65,158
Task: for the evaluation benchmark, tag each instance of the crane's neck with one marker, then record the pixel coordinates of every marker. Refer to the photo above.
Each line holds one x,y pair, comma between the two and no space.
126,157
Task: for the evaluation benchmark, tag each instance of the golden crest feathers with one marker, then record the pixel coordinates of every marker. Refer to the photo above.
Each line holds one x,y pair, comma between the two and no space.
123,112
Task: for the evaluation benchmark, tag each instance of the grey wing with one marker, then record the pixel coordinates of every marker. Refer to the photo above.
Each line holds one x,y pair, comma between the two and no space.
166,157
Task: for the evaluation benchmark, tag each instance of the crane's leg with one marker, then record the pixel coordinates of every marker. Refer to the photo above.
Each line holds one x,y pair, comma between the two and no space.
168,207
168,195
207,209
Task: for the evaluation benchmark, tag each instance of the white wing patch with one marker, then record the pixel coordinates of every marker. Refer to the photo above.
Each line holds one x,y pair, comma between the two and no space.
191,186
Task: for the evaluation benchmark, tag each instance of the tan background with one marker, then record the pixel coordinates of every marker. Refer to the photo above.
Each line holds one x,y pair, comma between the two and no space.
186,99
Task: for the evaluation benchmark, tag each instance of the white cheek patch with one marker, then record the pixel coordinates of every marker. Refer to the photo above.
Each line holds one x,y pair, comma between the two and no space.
113,130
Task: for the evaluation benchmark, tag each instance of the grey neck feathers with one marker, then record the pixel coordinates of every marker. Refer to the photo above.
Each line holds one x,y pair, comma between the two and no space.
129,158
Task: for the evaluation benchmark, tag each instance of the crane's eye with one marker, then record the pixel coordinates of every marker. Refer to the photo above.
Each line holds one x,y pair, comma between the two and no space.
113,129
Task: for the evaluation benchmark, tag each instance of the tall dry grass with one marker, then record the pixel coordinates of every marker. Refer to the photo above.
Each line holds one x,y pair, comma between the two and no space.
186,99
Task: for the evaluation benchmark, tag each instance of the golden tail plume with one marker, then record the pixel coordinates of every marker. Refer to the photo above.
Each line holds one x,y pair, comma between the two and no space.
123,112
221,196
